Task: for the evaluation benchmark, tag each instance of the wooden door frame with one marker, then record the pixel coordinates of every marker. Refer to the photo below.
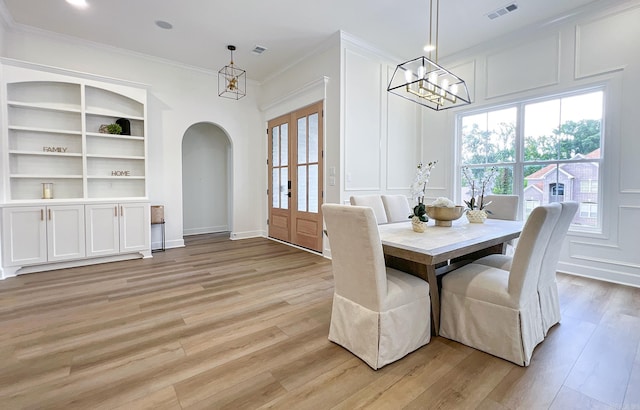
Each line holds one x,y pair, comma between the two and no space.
304,232
279,221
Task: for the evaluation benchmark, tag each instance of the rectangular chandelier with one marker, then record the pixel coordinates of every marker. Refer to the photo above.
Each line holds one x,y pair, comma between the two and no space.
232,81
426,83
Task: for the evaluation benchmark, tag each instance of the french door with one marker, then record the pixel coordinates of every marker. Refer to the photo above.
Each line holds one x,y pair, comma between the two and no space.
295,183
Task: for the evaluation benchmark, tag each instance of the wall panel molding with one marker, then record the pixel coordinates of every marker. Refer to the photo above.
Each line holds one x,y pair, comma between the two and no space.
600,273
607,261
362,113
466,71
603,45
402,139
529,66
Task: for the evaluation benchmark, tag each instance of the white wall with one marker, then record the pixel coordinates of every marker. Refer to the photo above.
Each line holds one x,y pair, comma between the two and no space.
178,97
368,137
205,179
2,35
598,47
381,134
315,78
372,144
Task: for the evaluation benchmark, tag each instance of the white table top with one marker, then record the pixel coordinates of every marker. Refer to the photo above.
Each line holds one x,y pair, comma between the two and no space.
440,240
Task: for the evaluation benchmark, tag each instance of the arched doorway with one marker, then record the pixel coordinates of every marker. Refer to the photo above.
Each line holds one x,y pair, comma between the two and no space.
206,180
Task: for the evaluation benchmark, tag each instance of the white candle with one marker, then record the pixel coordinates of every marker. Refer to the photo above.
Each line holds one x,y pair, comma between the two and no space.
47,190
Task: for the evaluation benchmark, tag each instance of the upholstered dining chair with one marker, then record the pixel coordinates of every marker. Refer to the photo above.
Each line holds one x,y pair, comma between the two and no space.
496,310
396,207
374,202
379,314
502,206
547,284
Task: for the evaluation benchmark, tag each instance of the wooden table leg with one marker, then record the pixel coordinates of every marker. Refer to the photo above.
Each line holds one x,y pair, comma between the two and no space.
435,299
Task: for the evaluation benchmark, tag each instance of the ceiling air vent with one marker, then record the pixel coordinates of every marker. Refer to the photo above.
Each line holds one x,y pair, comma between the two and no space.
258,50
502,11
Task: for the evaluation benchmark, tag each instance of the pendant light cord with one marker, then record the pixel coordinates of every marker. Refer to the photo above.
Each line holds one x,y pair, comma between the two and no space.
433,45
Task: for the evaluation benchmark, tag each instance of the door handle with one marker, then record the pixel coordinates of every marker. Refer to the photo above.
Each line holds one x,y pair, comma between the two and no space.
49,214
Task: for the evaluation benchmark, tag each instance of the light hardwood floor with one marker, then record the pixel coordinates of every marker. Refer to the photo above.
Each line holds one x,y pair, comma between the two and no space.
244,324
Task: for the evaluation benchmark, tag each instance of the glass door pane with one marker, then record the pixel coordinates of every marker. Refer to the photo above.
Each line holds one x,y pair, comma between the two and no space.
308,200
280,161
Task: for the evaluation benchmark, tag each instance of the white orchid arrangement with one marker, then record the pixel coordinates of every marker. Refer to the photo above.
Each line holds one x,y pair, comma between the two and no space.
480,186
419,189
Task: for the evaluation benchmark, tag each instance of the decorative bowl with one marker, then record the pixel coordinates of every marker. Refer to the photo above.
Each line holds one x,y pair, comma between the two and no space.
444,215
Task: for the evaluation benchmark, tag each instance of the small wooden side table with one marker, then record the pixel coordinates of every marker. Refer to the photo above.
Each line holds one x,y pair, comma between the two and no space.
157,218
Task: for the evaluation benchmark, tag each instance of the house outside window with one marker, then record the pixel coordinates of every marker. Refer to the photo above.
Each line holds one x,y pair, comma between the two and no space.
546,150
589,186
556,192
588,210
529,205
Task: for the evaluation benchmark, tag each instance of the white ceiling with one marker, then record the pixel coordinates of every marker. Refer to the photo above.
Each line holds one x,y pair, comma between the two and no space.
289,29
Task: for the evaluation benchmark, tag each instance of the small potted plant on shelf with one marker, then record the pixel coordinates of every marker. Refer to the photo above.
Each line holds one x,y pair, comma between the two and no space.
419,216
114,129
110,129
476,212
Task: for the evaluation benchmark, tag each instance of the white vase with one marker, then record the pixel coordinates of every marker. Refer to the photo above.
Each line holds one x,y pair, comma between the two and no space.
476,216
418,225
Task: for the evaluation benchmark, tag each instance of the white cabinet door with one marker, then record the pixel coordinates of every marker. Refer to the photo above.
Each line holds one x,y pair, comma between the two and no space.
102,229
65,232
135,227
117,228
24,235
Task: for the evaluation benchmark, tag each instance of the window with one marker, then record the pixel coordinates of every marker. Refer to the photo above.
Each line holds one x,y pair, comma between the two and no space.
556,192
589,186
529,205
546,150
588,210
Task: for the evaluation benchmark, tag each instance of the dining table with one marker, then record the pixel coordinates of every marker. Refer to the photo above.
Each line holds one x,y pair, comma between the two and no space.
441,249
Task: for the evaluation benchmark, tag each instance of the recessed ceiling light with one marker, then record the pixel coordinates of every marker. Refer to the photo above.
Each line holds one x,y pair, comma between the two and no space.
164,24
78,3
429,48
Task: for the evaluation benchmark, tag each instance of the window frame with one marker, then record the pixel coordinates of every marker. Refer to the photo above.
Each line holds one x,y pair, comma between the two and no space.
519,164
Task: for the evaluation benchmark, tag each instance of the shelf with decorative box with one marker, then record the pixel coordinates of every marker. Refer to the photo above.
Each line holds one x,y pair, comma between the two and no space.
55,153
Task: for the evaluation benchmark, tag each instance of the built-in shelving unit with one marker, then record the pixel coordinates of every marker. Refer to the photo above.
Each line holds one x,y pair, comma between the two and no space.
51,134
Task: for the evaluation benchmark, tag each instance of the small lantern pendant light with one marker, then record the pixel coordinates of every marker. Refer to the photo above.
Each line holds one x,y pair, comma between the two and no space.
232,81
